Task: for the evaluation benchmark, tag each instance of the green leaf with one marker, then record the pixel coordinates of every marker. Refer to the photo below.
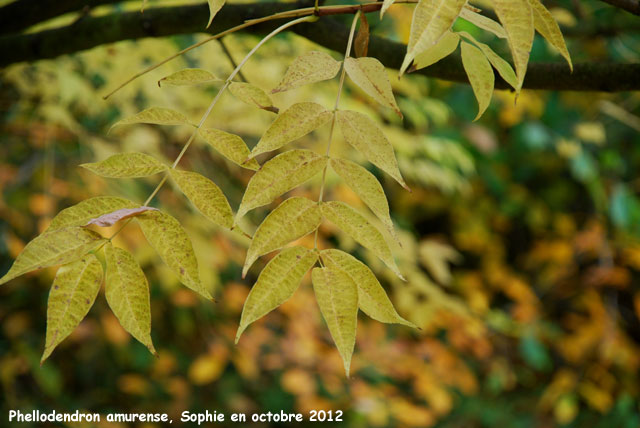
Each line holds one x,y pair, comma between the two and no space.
516,17
310,67
372,299
276,284
279,175
370,75
72,294
480,74
205,195
126,165
252,95
364,135
58,247
355,225
214,8
547,26
367,188
171,242
127,293
155,116
504,68
293,219
431,20
83,212
445,46
189,76
483,22
337,297
297,121
230,146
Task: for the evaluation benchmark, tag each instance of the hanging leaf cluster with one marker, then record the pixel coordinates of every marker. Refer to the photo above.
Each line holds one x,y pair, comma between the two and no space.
342,283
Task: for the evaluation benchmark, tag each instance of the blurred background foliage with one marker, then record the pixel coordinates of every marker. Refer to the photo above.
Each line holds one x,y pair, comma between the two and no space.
519,242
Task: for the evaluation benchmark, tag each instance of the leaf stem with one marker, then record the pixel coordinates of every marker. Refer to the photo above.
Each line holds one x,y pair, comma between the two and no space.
210,108
335,109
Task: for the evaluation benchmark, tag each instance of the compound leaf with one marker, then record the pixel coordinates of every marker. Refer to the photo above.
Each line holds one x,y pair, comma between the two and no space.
171,242
295,122
155,116
189,76
372,299
205,195
252,95
516,17
230,146
431,19
366,187
276,284
57,247
480,74
337,297
126,165
83,212
547,26
356,225
127,293
370,75
293,219
72,294
364,135
310,67
279,175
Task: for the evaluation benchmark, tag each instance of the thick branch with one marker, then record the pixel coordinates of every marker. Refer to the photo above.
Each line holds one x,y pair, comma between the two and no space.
631,6
327,32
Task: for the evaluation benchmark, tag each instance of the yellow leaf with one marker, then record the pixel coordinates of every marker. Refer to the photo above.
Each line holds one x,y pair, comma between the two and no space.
83,212
293,219
431,20
127,293
337,297
355,225
279,175
364,135
435,256
144,4
297,121
276,284
252,95
480,74
547,26
155,116
58,247
126,165
189,76
205,195
370,75
214,7
445,46
73,292
310,67
483,22
516,17
504,68
366,187
372,299
385,5
230,146
169,239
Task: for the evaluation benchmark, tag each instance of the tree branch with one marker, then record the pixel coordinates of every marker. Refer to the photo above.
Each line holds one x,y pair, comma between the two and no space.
328,32
631,6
